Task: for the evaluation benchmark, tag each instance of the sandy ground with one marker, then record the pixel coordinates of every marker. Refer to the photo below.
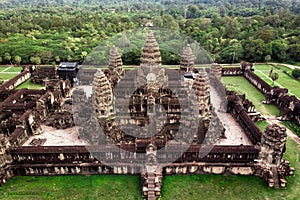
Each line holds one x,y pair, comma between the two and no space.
70,137
66,137
234,133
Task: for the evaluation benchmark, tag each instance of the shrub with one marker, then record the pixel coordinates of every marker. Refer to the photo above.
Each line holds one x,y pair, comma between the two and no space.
296,73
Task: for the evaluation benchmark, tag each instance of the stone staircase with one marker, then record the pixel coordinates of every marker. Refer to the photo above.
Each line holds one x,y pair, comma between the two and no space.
151,186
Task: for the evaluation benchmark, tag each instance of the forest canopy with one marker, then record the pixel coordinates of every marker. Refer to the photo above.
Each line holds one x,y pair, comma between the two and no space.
50,31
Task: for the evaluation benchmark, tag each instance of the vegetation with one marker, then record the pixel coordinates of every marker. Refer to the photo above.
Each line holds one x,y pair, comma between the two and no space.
108,187
47,32
7,72
285,79
240,85
292,126
27,84
262,125
274,77
233,187
296,73
6,77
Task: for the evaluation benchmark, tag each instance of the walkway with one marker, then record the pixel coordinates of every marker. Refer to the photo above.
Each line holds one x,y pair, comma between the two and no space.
287,65
234,133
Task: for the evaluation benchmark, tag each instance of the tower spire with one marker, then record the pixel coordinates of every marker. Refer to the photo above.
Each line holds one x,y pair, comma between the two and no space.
187,60
150,54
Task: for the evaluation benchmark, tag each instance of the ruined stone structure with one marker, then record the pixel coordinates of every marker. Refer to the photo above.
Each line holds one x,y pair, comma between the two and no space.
288,105
43,74
16,81
148,129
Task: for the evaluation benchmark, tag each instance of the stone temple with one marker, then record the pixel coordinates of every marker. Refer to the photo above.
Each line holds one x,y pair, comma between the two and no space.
150,121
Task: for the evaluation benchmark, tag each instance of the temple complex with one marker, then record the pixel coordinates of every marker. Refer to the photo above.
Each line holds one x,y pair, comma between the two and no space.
151,121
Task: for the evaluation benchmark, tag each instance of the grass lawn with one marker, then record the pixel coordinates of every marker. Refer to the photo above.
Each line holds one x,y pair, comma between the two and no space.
262,125
2,68
14,69
108,187
233,187
31,86
242,86
283,81
5,76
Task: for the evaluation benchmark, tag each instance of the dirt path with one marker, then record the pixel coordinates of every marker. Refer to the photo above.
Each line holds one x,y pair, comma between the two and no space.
273,120
287,65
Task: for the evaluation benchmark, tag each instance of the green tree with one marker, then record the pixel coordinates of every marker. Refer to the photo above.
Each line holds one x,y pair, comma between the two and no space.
193,12
296,73
266,33
7,57
57,59
274,77
279,48
18,60
35,60
232,27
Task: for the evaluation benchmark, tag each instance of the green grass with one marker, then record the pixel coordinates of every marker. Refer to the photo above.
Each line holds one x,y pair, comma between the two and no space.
4,76
284,80
31,86
292,126
233,187
14,69
189,187
2,68
262,125
242,86
108,187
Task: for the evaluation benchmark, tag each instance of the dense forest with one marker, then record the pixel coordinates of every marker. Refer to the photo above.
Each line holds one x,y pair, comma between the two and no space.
50,31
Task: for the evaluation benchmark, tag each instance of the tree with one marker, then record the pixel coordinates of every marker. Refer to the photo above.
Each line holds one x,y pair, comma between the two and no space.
193,12
35,60
268,58
7,57
232,27
274,77
279,48
18,60
57,59
271,71
296,73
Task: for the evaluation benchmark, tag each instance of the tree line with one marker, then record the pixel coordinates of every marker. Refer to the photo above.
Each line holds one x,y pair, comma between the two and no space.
47,32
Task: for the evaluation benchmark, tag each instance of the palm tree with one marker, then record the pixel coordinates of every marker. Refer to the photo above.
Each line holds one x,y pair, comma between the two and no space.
274,77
